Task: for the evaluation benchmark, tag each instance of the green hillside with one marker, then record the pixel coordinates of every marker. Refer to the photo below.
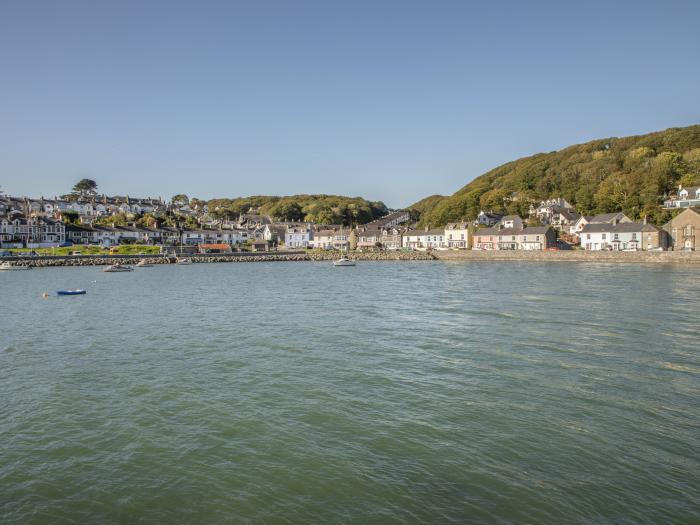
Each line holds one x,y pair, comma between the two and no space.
323,209
629,174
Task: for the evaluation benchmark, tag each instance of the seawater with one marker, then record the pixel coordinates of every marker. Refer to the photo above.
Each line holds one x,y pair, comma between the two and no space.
424,392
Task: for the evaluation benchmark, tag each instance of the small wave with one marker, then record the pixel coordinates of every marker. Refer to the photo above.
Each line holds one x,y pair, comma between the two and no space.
680,368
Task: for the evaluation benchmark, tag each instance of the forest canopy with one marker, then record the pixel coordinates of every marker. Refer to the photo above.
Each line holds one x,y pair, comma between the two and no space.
629,174
321,209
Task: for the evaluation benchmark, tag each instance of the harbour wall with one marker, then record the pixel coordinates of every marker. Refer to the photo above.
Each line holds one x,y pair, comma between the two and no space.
96,260
639,257
687,258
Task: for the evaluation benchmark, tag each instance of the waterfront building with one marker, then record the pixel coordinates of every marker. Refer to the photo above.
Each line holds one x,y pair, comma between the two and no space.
274,232
323,239
537,238
426,239
621,236
603,218
391,238
684,230
458,235
485,239
368,239
298,236
531,238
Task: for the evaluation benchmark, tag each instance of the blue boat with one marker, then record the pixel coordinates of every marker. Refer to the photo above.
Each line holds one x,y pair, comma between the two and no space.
71,292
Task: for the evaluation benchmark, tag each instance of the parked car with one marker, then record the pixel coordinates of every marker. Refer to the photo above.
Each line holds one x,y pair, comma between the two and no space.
5,253
76,252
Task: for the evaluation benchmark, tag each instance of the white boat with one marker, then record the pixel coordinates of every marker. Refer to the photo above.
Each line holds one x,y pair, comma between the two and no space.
118,268
7,265
143,264
344,261
183,260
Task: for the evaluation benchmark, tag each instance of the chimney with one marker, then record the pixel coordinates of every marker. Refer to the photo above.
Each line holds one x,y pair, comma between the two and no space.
645,220
614,221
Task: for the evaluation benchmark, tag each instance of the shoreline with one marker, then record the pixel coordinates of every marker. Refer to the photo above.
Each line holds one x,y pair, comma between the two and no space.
684,258
614,257
103,260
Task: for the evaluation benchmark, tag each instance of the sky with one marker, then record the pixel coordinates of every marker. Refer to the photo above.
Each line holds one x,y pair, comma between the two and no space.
388,100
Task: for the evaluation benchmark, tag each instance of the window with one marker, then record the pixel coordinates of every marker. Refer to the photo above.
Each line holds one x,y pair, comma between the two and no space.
634,236
604,236
462,236
588,236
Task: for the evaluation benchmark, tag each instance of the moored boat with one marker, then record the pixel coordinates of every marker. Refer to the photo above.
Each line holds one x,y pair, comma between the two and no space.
77,291
344,261
7,265
183,260
143,264
118,268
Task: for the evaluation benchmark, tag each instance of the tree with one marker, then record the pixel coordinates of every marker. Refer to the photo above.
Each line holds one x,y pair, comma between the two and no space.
180,199
85,187
197,204
290,211
118,219
70,217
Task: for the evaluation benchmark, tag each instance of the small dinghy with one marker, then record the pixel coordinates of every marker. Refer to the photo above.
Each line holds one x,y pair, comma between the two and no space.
184,260
71,292
143,263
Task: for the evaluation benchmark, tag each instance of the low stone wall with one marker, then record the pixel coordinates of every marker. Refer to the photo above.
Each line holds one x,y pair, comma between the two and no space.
374,256
572,256
96,260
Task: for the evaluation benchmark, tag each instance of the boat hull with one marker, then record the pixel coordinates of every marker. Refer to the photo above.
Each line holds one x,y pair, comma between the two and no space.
71,292
112,269
344,263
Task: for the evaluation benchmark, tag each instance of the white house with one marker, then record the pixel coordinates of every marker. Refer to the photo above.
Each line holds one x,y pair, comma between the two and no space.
603,218
615,236
323,239
687,198
298,236
511,221
488,218
422,240
457,235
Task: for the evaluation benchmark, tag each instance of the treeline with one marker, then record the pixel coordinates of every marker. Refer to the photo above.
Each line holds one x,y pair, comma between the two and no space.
629,174
322,209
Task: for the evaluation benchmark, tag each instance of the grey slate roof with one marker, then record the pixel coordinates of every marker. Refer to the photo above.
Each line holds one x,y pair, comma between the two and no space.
622,227
606,217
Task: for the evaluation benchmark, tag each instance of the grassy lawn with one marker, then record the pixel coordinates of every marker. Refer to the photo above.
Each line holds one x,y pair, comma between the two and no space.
126,249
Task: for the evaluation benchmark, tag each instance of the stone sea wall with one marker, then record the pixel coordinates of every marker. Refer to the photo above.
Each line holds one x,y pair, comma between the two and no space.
688,258
572,256
94,260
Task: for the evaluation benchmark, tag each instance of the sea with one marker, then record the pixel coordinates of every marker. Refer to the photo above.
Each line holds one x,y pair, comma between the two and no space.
389,392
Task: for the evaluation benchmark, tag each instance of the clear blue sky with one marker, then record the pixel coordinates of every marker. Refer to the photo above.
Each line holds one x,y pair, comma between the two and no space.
390,100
